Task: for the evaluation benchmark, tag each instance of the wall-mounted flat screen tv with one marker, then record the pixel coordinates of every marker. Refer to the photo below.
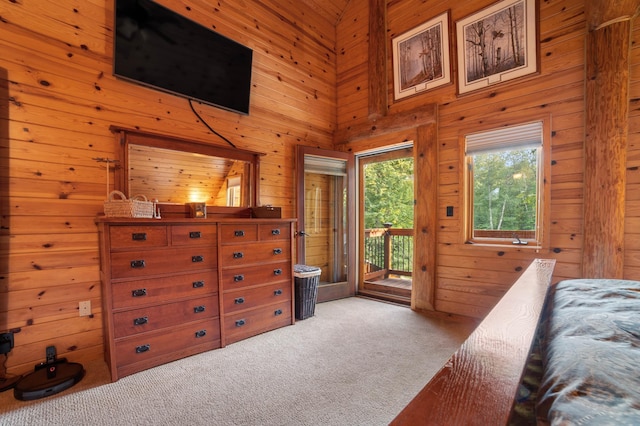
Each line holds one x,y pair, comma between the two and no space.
157,47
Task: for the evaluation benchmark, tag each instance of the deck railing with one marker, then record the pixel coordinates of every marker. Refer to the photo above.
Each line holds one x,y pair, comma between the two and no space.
388,251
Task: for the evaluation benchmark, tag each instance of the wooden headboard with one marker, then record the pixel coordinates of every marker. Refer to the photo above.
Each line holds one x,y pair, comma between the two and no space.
478,384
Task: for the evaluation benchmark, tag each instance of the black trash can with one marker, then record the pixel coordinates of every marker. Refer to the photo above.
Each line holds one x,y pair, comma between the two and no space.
306,289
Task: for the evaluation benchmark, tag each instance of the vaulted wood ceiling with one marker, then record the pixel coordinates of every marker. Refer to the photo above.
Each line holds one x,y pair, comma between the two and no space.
332,10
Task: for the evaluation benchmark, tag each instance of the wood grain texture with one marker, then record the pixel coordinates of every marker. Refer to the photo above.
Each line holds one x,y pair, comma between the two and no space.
58,98
377,58
424,235
478,384
607,88
310,87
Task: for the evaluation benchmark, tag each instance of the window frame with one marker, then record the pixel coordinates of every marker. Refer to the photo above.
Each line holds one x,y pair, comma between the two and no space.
542,232
234,191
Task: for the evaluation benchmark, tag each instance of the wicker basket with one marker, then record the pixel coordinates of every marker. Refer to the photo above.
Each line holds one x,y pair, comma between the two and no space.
137,206
306,290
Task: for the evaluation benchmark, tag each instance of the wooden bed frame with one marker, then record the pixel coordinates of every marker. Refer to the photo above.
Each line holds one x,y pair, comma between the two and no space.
479,383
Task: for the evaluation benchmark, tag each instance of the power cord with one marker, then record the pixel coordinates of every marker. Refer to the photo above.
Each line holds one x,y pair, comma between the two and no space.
209,127
7,382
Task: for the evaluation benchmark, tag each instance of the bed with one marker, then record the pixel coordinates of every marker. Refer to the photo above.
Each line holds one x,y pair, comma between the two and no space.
590,353
547,354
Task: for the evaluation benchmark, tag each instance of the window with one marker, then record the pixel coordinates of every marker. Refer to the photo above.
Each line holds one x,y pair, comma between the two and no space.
504,181
234,191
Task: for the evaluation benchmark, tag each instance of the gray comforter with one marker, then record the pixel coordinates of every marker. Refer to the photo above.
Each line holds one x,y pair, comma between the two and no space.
591,354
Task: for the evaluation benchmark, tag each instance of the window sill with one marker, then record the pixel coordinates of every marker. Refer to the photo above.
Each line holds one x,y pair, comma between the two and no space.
507,245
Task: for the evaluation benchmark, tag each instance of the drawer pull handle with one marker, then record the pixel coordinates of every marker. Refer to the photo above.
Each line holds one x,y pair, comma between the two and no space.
238,255
140,321
196,259
139,236
277,271
198,309
277,312
238,278
198,284
275,232
277,251
201,333
239,233
143,348
138,264
239,300
139,292
195,234
277,292
240,323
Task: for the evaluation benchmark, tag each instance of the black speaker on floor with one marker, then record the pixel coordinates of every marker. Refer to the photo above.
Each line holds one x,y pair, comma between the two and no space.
49,378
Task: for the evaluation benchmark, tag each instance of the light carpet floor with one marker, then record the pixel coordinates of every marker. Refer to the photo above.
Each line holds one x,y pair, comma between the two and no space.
356,362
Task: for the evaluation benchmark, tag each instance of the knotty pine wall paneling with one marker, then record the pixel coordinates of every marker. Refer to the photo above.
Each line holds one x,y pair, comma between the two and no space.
60,98
471,279
352,64
632,220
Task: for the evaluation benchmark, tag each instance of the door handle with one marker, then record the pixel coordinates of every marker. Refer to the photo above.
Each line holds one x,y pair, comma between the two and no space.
301,233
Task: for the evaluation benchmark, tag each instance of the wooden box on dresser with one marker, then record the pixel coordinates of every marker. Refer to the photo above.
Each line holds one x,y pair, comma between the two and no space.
177,287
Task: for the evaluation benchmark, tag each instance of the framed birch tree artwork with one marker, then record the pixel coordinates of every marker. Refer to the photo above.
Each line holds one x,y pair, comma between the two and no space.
497,44
421,58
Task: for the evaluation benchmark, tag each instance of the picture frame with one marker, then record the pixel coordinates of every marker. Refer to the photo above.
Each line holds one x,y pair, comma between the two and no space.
497,44
421,58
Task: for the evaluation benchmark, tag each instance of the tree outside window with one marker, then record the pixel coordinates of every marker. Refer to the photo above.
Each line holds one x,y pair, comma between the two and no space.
388,195
505,190
504,174
388,192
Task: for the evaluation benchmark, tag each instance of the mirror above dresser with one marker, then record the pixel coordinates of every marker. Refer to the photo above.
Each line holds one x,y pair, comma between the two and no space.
177,172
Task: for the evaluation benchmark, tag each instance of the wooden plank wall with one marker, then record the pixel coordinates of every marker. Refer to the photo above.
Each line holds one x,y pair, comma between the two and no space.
57,100
471,279
632,219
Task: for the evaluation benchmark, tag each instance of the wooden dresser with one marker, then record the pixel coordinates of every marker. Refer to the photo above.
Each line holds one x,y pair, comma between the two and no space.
256,278
174,288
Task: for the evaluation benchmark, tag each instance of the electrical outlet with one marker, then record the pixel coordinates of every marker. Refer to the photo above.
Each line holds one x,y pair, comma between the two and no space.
85,308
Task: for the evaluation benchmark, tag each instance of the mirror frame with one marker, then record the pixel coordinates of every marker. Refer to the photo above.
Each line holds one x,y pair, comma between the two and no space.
124,137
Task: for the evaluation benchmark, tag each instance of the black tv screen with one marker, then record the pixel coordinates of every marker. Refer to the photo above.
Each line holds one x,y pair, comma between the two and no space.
157,47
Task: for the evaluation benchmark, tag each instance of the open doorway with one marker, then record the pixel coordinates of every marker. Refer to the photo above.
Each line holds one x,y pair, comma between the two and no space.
386,213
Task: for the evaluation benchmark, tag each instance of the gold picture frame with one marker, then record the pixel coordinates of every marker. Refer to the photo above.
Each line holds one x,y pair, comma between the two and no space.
497,44
421,58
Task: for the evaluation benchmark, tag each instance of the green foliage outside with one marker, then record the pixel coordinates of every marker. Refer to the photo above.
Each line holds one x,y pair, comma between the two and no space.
504,198
388,198
504,190
388,194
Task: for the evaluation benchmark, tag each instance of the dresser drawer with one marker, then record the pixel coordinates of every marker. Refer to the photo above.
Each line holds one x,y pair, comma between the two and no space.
192,235
235,301
238,233
253,275
143,347
242,325
151,318
137,237
272,251
131,294
277,231
131,264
